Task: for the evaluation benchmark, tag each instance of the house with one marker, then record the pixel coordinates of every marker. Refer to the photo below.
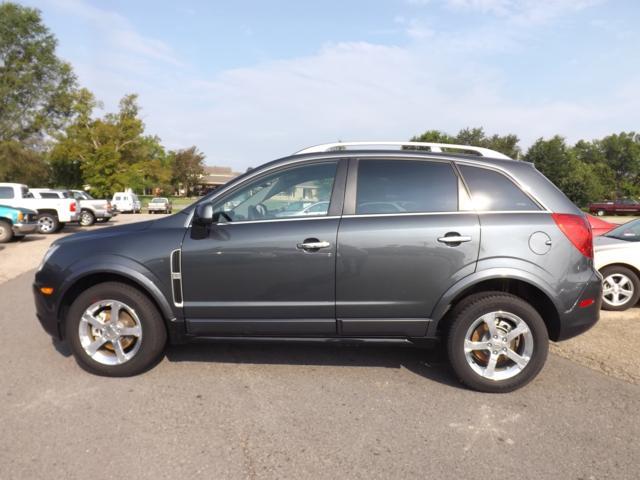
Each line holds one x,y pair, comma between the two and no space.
215,177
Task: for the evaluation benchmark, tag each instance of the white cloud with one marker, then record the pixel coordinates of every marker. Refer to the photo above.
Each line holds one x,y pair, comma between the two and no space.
345,91
522,12
360,91
119,31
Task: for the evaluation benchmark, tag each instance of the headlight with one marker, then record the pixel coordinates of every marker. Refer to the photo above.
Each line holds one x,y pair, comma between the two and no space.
47,256
20,217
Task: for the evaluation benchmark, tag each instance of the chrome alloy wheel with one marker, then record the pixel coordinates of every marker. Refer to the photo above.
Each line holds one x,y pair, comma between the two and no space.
498,345
617,289
110,332
46,224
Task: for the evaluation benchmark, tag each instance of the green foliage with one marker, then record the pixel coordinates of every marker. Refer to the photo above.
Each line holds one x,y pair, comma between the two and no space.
36,87
507,144
22,165
109,153
586,172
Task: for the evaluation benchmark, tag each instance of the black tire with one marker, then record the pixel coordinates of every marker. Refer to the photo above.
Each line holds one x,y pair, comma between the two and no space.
619,270
468,311
154,333
87,218
48,223
61,225
6,232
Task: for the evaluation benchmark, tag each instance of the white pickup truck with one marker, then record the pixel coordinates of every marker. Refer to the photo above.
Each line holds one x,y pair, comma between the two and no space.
53,213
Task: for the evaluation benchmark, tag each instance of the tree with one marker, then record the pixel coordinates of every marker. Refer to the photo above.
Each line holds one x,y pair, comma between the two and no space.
21,165
36,87
507,144
622,153
188,166
560,164
105,150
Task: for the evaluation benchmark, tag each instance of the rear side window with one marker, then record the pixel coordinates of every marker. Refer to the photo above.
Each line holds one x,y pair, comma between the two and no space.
6,192
492,191
48,195
405,186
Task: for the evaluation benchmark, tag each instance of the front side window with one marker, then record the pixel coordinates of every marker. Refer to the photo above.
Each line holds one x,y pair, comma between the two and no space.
299,191
492,191
405,186
6,192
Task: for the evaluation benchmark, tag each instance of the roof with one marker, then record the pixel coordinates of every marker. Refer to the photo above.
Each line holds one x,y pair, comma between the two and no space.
214,175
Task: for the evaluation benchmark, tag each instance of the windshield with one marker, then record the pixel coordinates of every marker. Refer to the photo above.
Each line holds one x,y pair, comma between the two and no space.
629,231
159,200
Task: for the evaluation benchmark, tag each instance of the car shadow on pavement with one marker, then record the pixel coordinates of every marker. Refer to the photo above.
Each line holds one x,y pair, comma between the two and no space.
429,363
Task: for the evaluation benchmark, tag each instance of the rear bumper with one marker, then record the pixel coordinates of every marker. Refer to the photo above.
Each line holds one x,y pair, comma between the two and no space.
24,228
580,319
102,214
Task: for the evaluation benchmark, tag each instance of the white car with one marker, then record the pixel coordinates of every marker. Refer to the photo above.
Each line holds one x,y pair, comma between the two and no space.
617,258
126,202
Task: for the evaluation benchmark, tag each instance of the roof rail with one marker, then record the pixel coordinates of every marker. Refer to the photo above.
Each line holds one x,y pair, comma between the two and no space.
433,147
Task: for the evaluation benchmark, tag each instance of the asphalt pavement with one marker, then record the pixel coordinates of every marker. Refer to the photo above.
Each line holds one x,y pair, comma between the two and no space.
280,411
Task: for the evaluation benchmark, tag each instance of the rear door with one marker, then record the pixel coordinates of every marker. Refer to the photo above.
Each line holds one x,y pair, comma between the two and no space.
402,243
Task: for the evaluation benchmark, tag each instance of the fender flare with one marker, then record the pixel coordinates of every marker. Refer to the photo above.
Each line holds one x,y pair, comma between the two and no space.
469,281
121,266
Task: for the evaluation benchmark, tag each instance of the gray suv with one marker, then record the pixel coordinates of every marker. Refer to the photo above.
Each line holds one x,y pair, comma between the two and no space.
412,244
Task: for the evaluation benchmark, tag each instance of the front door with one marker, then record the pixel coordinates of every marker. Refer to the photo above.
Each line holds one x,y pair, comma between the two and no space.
269,268
401,244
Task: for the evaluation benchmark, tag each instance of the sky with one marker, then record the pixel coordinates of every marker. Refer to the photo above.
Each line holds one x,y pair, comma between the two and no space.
251,81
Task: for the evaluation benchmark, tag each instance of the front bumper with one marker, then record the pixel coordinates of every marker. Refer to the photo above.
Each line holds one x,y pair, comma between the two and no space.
46,313
24,228
580,319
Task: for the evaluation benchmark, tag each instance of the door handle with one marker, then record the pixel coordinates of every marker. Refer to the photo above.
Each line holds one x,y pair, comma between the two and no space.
451,239
312,244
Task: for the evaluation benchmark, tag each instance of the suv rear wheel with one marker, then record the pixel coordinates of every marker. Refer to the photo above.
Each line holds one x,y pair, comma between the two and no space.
497,342
115,330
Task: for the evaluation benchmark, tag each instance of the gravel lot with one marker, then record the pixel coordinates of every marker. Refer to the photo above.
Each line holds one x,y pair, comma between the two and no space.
282,411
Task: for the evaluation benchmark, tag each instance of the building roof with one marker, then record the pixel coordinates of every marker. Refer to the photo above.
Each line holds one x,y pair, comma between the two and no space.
214,175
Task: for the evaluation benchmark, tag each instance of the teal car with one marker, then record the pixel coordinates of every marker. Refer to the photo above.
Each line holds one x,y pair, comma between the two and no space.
16,222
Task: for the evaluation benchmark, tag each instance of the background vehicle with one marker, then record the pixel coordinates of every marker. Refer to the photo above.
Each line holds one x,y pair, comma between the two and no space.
53,213
623,205
16,222
126,202
90,209
160,204
599,226
474,259
617,257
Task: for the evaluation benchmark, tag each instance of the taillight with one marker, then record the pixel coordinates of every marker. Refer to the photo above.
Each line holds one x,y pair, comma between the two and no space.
578,230
72,207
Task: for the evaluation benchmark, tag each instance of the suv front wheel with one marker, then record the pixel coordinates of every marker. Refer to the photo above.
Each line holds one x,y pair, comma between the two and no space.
115,330
496,342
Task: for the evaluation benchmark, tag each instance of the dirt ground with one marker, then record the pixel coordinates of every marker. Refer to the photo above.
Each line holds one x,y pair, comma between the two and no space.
609,347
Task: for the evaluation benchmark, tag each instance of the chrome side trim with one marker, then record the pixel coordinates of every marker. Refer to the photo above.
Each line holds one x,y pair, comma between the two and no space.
275,220
466,212
175,265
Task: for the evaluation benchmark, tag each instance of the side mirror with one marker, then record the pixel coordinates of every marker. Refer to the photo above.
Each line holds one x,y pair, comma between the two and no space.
203,214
